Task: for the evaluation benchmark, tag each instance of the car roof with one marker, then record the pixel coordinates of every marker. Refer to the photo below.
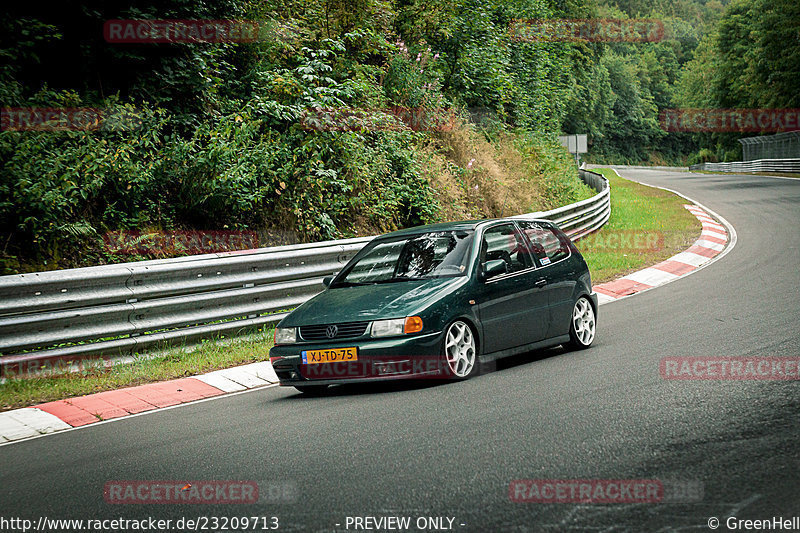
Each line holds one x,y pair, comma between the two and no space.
450,226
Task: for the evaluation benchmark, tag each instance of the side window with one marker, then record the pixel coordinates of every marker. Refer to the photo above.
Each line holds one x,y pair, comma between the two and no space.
547,247
504,243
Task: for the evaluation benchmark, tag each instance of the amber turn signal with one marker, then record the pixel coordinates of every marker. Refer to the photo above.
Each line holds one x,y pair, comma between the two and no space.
413,324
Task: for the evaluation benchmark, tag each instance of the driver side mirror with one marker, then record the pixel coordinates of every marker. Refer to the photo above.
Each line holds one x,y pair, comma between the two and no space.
327,281
493,268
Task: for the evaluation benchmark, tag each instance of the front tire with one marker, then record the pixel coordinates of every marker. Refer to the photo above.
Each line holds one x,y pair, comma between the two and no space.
583,326
460,351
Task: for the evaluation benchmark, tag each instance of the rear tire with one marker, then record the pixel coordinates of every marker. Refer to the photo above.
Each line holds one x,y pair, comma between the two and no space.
583,325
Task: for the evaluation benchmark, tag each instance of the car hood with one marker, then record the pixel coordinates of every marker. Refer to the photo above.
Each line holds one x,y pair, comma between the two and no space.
372,302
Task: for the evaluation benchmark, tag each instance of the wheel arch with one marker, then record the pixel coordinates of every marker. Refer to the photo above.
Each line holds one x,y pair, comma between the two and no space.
472,322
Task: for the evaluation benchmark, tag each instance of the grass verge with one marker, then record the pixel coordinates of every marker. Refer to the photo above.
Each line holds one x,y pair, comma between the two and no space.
635,208
174,363
638,213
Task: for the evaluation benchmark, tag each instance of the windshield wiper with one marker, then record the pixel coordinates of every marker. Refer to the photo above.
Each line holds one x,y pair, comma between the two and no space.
352,283
401,278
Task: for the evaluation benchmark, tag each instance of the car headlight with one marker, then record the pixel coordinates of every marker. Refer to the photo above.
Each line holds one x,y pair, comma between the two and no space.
285,335
396,326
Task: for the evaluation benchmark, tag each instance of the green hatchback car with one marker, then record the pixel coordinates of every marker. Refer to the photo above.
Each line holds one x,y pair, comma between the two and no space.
436,301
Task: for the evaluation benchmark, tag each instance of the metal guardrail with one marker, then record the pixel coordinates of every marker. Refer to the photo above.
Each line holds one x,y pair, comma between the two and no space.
640,167
758,165
114,311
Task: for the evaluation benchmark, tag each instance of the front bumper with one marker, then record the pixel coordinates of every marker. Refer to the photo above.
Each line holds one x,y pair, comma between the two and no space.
402,357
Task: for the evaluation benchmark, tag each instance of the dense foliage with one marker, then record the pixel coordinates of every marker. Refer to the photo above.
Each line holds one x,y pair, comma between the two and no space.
220,138
715,54
750,60
224,133
629,84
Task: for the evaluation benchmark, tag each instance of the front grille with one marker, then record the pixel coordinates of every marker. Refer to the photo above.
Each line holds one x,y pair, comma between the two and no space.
350,330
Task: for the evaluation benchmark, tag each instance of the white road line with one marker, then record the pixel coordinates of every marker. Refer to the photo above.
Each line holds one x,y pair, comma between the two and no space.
708,244
12,429
262,370
242,377
215,379
717,227
39,420
714,233
689,258
652,276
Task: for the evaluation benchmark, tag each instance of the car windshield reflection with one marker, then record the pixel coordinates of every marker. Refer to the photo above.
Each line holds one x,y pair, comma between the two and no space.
415,257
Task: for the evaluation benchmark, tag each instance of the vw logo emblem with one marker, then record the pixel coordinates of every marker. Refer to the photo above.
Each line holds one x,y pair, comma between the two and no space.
331,331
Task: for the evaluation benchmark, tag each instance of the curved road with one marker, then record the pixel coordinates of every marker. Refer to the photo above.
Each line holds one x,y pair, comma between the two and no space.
451,449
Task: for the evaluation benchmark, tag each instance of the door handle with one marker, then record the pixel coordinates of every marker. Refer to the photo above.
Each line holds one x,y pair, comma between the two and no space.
541,283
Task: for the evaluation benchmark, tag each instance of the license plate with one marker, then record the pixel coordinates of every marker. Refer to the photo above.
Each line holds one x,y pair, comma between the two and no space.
333,355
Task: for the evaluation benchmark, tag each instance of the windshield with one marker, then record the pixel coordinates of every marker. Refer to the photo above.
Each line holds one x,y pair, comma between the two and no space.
412,257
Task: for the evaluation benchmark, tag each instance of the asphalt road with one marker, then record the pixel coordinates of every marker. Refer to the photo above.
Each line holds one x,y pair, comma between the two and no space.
451,449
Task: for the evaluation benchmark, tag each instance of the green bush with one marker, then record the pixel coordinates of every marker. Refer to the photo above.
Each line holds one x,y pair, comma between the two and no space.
223,136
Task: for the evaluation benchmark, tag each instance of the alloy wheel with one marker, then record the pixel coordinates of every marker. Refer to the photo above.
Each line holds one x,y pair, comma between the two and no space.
583,321
460,349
